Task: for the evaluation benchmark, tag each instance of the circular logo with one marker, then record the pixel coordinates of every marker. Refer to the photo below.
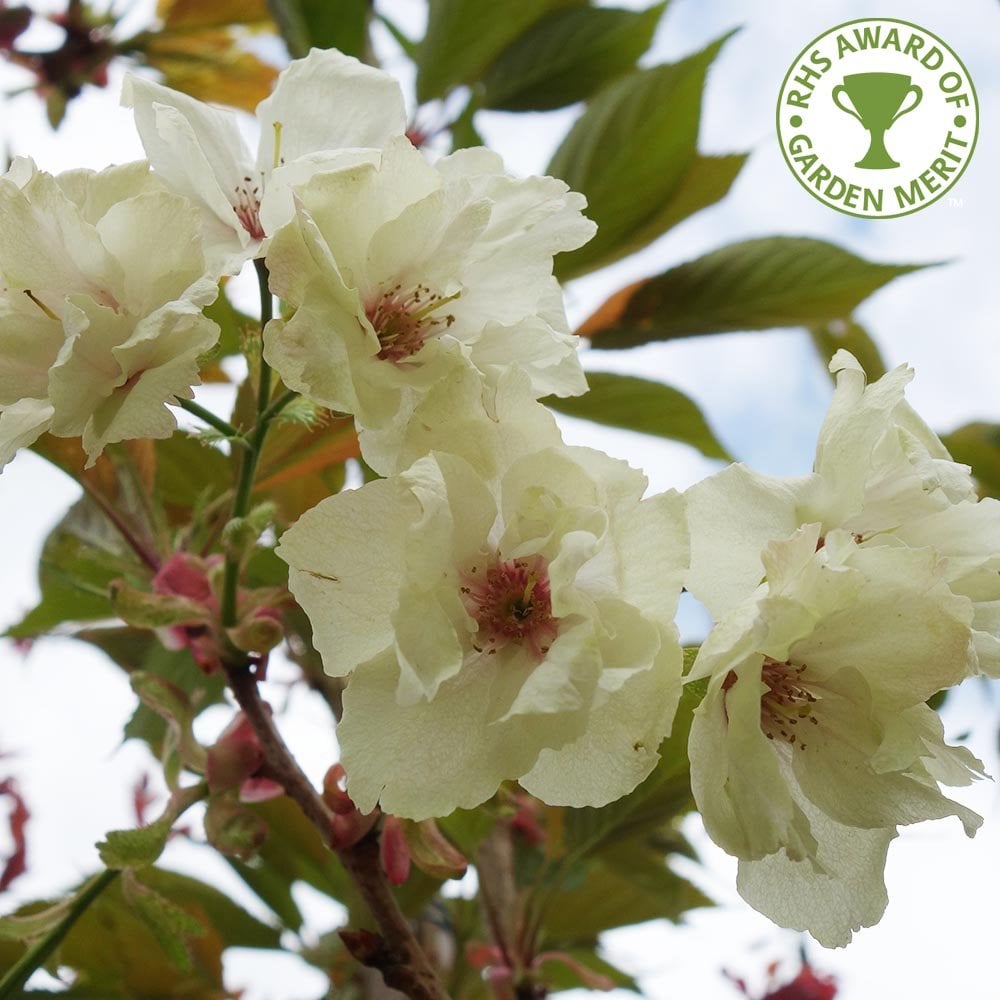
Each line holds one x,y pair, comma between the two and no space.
877,118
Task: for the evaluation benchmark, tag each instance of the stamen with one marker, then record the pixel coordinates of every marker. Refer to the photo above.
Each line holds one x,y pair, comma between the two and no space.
277,160
246,205
787,702
511,602
404,321
41,305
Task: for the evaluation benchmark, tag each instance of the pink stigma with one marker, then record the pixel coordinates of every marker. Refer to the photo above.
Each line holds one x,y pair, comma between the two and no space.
404,321
511,602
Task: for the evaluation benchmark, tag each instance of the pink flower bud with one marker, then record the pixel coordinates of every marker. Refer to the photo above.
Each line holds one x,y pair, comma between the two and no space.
394,852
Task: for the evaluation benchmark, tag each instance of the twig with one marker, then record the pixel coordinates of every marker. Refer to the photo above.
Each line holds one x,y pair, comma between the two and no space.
222,426
397,953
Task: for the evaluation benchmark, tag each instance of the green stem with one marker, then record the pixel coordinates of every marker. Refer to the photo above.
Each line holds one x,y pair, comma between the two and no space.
222,426
36,956
278,405
255,442
266,314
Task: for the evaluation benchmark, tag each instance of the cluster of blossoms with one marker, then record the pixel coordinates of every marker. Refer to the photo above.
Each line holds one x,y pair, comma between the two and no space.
504,604
844,600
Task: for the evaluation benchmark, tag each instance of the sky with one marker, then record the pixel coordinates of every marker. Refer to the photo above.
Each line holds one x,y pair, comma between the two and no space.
765,394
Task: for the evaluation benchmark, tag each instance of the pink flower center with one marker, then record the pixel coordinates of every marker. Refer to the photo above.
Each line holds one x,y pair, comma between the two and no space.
787,705
247,207
511,602
404,321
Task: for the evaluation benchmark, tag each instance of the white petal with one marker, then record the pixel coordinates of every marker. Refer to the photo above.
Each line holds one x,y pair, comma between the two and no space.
732,516
433,757
328,101
21,424
345,557
848,893
618,749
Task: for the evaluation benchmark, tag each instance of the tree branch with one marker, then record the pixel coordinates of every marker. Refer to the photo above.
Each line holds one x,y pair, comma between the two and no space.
396,953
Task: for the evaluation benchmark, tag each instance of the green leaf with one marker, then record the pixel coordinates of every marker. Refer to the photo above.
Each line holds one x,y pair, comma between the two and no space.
186,468
34,922
465,36
567,56
272,888
637,404
115,954
233,323
559,976
776,281
663,796
232,829
463,129
611,896
850,336
295,851
173,704
145,609
135,848
978,445
174,666
323,24
706,181
170,924
629,153
80,558
238,928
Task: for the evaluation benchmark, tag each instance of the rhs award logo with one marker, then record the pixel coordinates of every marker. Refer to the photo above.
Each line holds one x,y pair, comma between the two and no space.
877,118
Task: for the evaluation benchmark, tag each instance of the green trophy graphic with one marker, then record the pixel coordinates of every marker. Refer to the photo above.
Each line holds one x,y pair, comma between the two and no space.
878,100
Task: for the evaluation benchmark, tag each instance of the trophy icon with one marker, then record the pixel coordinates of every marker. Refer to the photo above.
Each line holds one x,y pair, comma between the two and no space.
878,100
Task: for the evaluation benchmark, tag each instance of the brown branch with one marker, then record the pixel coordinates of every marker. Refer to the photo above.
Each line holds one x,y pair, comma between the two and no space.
395,952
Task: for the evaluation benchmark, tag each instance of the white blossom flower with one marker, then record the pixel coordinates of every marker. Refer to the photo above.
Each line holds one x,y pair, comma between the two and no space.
322,106
880,474
814,742
101,292
401,273
513,628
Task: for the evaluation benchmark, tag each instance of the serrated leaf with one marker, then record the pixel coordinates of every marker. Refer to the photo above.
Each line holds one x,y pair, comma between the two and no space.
135,848
173,704
567,56
978,445
170,924
759,284
144,609
34,923
305,24
629,152
849,335
464,36
113,954
638,404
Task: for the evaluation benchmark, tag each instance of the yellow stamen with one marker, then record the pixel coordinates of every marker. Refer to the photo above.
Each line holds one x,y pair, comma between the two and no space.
277,146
